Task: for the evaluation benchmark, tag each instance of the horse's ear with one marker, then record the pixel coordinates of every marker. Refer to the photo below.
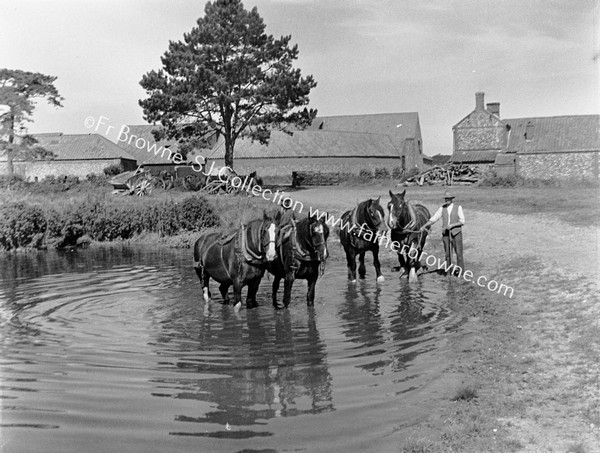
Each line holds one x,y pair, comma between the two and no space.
265,215
377,201
403,193
391,194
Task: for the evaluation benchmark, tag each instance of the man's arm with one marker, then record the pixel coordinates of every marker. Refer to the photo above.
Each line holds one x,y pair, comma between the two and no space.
434,218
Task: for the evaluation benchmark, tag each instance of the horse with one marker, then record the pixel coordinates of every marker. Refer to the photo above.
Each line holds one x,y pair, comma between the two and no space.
237,259
301,254
405,220
359,233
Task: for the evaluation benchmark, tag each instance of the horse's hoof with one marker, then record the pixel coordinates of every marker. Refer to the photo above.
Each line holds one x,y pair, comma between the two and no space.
412,276
380,279
237,307
353,281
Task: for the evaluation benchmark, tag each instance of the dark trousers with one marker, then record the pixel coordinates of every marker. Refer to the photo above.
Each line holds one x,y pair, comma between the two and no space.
456,242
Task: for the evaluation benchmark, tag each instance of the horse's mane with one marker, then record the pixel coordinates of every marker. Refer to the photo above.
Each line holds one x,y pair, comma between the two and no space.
303,232
254,232
362,210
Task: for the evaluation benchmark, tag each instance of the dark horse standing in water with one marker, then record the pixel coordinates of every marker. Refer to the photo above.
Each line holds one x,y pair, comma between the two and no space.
301,253
405,220
238,259
359,233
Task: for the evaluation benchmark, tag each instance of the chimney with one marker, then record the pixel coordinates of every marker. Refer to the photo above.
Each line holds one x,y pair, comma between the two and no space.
494,107
479,101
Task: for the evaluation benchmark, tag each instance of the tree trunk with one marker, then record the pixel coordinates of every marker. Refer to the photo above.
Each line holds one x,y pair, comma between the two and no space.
9,149
228,153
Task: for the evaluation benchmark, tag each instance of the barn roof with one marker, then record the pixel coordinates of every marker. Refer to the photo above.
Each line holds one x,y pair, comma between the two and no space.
313,144
400,126
377,135
554,134
474,156
79,147
144,131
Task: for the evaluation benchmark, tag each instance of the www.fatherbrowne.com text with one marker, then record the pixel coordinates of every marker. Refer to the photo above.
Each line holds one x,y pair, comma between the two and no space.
281,198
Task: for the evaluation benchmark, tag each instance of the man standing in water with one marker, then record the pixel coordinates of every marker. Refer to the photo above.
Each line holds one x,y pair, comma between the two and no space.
452,221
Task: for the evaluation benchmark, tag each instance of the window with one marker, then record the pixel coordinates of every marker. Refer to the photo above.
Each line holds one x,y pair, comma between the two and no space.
419,145
403,162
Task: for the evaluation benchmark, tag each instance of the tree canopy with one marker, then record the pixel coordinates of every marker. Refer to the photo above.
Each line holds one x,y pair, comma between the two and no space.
18,92
227,76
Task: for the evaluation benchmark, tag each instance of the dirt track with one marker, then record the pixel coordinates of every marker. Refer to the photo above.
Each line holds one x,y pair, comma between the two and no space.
533,358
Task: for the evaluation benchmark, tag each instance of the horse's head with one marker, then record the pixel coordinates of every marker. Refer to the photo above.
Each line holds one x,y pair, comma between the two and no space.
402,215
318,232
375,212
268,234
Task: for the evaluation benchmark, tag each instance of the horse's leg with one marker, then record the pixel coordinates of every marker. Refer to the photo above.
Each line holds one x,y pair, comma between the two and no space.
376,263
402,262
276,282
310,295
287,288
351,262
205,279
237,295
224,288
252,290
362,270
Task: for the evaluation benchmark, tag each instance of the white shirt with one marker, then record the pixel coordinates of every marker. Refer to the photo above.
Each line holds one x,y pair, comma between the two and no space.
438,214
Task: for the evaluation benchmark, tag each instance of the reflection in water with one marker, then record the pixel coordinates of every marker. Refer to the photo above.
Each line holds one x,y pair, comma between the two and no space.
250,369
112,349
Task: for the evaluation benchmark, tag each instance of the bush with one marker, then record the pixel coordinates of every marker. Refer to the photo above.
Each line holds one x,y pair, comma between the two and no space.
398,172
21,226
113,170
365,174
97,180
69,225
381,173
14,182
64,228
196,213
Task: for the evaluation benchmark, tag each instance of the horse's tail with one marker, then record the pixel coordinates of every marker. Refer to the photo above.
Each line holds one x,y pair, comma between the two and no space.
200,247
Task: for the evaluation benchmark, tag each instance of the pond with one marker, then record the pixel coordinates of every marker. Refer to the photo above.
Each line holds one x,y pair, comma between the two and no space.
112,350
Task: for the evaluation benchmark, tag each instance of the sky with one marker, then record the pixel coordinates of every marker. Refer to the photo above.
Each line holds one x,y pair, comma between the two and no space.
534,57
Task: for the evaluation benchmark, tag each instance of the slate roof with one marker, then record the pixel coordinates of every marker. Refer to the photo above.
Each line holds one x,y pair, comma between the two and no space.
554,134
474,156
141,154
313,144
377,135
400,126
80,147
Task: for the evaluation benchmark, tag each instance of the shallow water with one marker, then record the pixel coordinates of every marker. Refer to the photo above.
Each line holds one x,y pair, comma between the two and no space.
112,350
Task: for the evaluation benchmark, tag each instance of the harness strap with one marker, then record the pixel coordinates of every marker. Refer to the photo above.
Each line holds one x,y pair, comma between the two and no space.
247,253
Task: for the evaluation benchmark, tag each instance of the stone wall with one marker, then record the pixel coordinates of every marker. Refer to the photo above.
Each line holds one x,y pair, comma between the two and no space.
285,167
81,168
559,165
480,131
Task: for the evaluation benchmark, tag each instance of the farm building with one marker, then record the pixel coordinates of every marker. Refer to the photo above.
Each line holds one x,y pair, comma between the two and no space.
344,144
74,155
560,147
139,142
